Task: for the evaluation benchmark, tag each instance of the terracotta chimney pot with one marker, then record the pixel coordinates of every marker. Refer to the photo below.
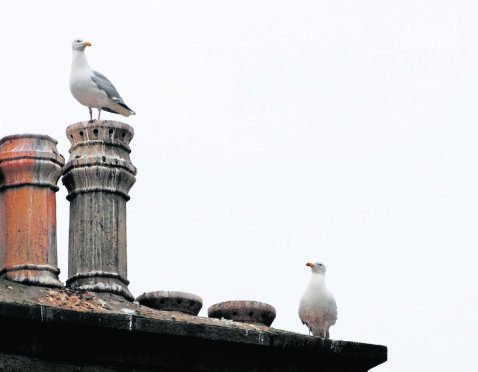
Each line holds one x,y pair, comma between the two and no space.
30,167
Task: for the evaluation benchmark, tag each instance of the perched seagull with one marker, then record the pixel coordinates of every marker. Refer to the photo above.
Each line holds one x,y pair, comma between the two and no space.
91,88
317,308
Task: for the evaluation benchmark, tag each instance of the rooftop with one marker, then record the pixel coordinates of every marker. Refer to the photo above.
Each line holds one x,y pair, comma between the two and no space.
61,327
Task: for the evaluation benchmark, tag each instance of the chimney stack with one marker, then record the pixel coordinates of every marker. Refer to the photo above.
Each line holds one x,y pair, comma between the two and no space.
30,167
98,176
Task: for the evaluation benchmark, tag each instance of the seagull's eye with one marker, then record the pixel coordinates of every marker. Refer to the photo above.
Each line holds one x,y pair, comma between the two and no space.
77,41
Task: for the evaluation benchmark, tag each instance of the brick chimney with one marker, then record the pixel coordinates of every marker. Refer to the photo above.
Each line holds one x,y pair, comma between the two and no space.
98,176
30,167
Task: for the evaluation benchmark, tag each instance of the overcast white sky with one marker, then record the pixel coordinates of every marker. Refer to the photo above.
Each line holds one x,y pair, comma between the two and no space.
272,133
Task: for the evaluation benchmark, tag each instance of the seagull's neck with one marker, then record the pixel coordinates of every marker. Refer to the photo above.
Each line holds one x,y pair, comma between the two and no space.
79,60
317,279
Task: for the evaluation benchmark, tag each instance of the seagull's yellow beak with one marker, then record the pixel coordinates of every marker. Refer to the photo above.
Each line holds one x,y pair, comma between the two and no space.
87,44
309,264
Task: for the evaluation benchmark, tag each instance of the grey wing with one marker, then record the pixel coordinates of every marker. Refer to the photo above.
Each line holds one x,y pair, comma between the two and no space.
104,84
334,308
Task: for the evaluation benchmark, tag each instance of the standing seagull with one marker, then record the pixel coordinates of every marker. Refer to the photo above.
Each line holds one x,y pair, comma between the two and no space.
91,88
317,308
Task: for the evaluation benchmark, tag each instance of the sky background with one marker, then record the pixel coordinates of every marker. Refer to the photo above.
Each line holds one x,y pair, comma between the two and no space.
272,133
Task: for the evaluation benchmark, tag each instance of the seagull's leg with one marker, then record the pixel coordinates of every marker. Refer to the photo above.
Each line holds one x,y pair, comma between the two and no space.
99,112
91,113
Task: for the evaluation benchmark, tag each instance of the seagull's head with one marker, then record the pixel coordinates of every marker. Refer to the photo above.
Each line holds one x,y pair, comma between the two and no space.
79,44
316,267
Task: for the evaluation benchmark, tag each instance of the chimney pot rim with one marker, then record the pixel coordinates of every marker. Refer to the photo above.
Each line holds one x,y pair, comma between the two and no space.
28,136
